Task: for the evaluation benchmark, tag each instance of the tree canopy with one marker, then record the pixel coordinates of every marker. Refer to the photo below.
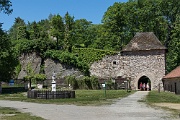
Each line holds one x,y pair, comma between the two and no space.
119,24
8,59
5,6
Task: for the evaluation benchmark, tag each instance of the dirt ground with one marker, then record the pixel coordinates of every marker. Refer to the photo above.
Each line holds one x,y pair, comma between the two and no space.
127,108
169,105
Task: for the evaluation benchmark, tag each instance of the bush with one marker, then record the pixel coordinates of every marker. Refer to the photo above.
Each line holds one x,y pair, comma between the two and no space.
87,81
94,83
39,78
68,58
90,55
84,82
72,81
109,84
27,46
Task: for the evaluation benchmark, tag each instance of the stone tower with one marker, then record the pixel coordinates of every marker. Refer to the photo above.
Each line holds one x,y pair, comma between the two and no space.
142,60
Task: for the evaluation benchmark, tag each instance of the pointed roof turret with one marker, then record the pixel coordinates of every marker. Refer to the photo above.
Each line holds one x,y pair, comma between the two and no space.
144,41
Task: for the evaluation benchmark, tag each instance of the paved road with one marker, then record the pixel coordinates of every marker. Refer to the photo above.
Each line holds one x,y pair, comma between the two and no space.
123,109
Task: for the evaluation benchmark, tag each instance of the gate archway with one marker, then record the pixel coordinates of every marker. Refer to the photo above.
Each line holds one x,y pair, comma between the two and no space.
144,80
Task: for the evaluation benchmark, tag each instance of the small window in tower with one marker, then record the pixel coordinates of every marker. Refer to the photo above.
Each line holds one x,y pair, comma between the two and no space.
114,62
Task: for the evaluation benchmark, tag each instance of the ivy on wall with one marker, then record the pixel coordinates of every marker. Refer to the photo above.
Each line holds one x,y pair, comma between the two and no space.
90,55
80,58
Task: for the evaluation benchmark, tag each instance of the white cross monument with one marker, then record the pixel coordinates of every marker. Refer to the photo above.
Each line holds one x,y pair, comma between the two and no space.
53,82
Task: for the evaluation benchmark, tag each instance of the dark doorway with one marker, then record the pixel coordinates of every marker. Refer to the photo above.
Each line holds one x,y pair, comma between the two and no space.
175,89
144,80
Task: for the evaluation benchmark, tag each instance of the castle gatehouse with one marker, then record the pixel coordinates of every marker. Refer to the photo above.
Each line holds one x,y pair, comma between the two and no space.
142,60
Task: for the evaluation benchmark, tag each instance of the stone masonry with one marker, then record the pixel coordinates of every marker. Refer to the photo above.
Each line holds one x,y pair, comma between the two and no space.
135,61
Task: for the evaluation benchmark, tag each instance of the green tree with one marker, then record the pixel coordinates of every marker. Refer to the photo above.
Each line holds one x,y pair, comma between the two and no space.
81,32
18,30
69,22
123,20
92,35
116,26
44,26
34,31
98,37
30,74
8,60
173,56
57,29
170,10
21,32
5,6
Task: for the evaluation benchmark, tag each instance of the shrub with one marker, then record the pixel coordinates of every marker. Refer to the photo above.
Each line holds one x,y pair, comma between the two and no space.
72,81
94,83
90,55
68,58
84,82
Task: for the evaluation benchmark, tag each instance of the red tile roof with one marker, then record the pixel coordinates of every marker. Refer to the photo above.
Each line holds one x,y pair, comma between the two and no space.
173,74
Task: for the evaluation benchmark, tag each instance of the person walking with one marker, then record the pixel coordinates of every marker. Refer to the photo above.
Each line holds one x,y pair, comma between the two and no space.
141,86
144,86
147,86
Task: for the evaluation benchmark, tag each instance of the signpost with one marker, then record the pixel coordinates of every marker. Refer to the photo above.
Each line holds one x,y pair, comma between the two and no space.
126,84
104,86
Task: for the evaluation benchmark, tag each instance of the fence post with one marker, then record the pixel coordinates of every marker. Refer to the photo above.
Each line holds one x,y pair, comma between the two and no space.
159,87
46,94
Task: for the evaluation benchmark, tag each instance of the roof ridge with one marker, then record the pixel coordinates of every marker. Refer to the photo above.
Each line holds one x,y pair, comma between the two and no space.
144,41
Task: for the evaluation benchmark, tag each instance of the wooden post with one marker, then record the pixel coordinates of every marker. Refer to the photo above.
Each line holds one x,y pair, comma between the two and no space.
159,87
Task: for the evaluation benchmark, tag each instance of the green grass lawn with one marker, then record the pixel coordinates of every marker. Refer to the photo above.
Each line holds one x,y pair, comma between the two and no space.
154,97
162,97
13,114
83,97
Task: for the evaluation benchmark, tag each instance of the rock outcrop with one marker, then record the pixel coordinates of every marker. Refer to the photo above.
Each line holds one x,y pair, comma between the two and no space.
61,70
29,58
50,66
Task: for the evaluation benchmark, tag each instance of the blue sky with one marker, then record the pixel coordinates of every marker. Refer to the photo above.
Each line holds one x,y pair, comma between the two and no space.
36,10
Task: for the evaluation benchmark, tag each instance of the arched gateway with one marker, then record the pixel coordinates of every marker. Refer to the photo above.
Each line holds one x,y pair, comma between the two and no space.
142,59
144,80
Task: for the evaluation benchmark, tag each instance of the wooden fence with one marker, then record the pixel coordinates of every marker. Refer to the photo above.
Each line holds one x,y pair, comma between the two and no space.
8,90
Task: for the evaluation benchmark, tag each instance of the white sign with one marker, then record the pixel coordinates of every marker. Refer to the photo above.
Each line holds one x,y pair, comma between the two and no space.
53,85
103,85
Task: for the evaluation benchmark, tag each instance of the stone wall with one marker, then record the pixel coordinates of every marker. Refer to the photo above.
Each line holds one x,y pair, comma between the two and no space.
132,65
29,58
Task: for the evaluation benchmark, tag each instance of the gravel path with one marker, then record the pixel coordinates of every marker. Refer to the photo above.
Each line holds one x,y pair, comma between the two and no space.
123,109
